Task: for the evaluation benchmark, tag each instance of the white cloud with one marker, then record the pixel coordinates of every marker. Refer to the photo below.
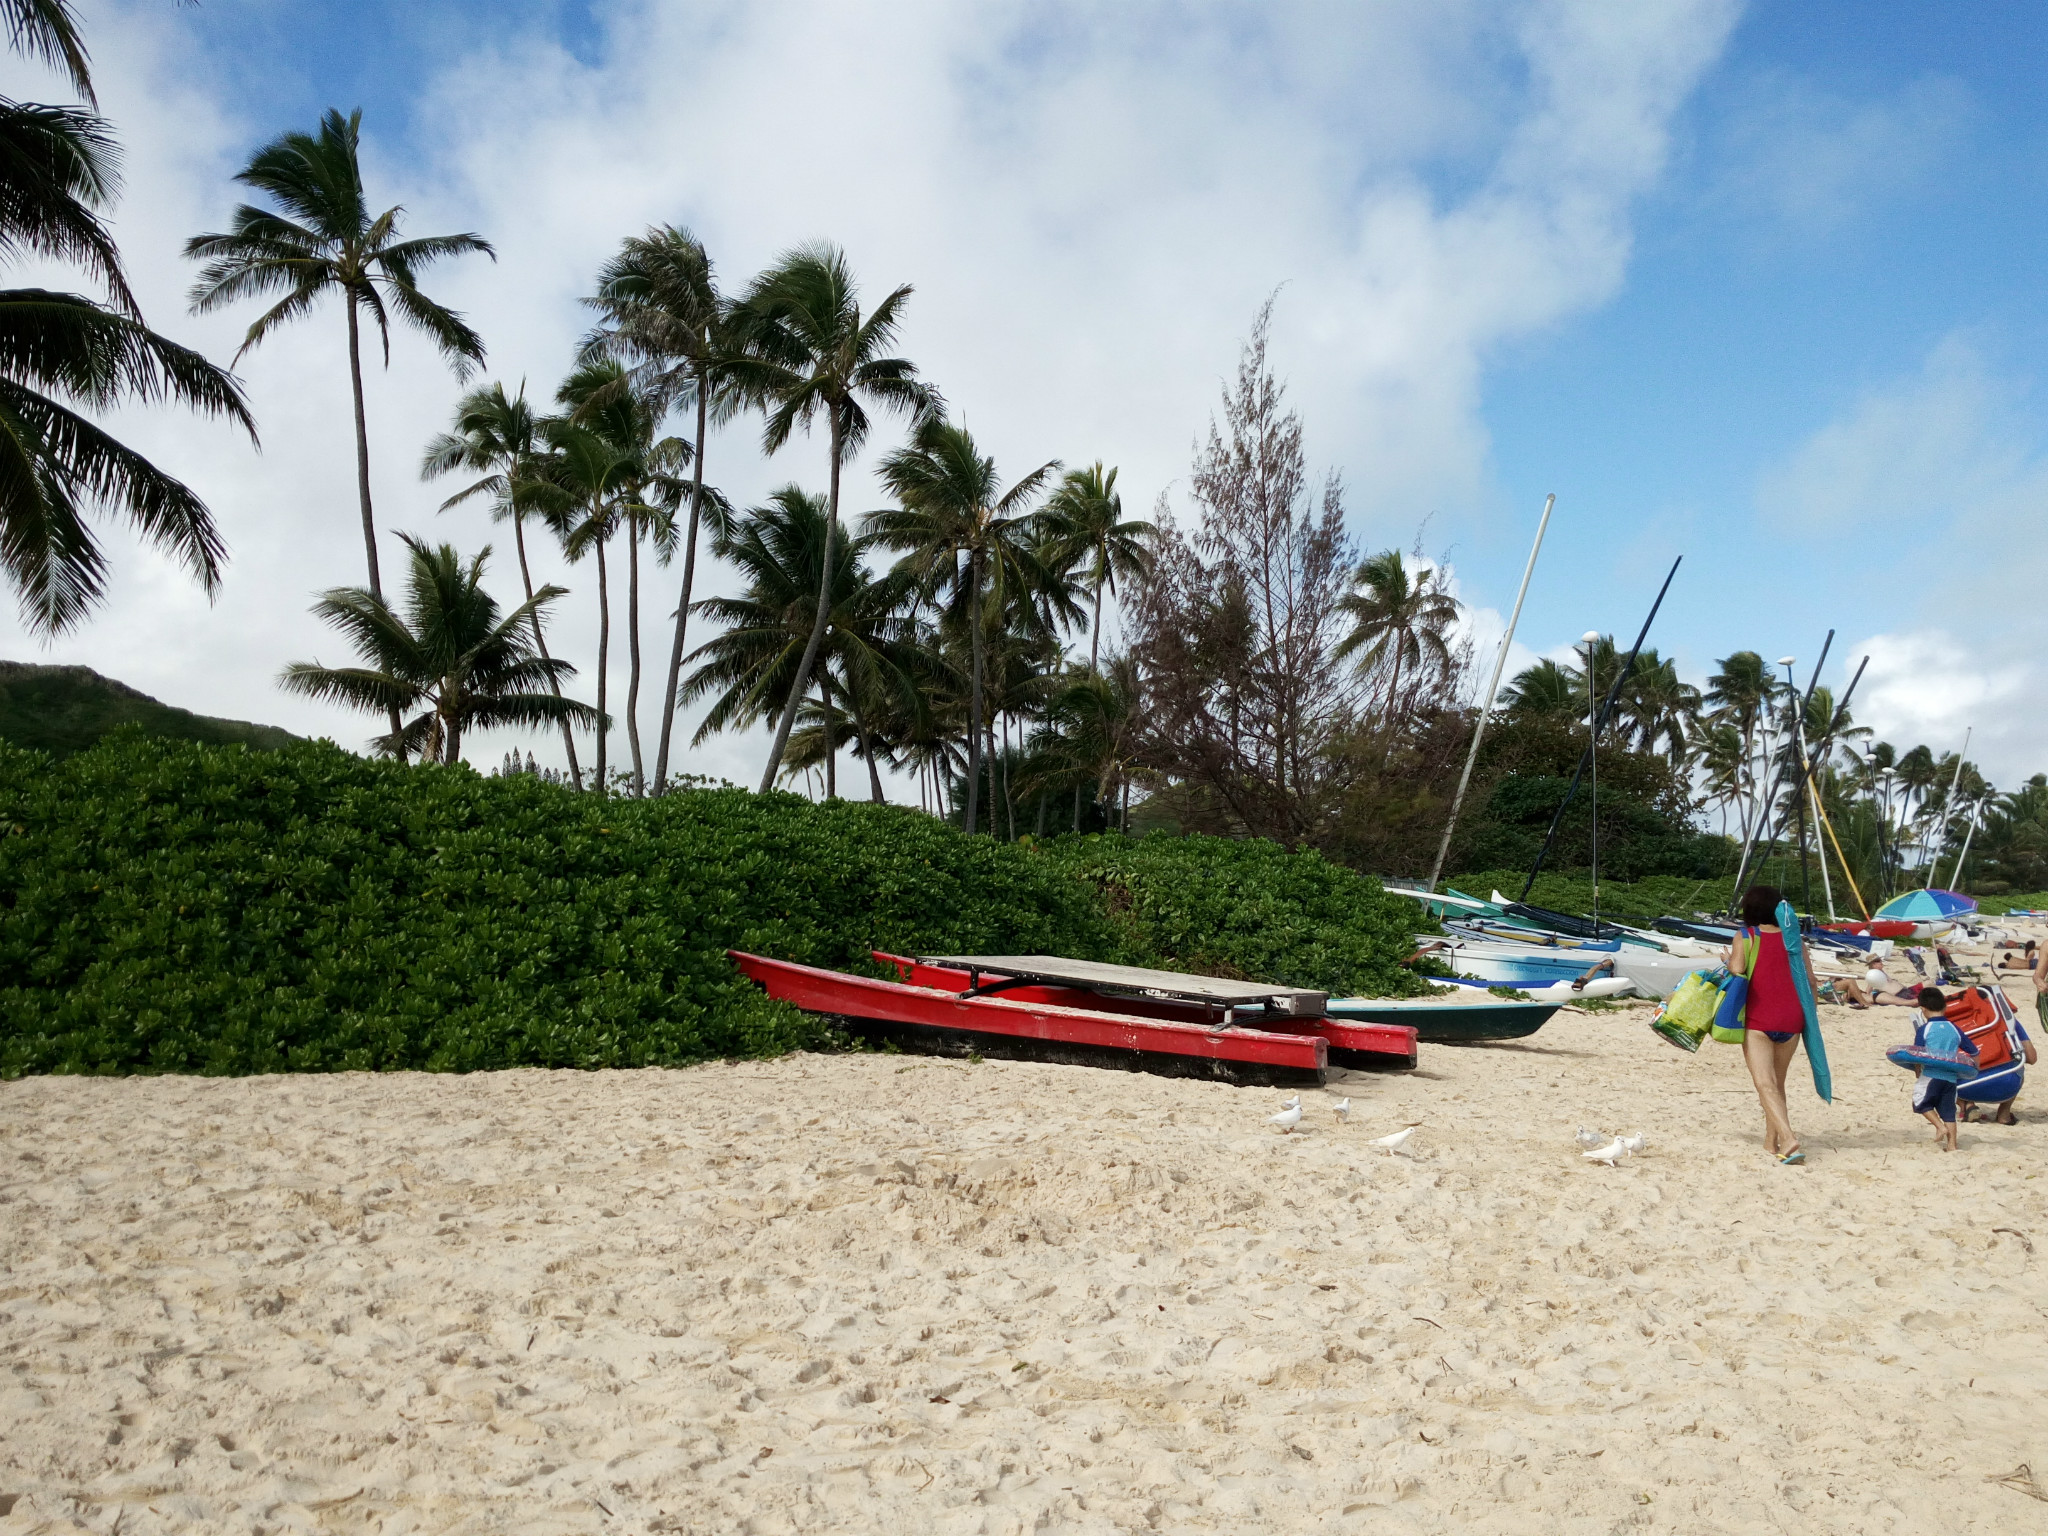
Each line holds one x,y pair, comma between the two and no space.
1931,686
1913,454
1809,162
1941,471
1091,203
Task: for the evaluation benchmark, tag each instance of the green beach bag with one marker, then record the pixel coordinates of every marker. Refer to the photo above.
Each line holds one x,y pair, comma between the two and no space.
1727,1026
1688,1013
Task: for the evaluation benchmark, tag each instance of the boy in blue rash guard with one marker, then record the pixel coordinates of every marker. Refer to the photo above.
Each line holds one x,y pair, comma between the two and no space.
1935,1097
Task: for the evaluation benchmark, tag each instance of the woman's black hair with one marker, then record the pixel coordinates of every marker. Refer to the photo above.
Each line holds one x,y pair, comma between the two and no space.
1760,904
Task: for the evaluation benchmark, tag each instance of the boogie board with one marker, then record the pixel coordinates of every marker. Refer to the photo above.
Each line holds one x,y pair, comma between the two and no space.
1816,1048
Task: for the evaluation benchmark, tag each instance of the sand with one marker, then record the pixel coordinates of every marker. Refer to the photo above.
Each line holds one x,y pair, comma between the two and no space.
883,1293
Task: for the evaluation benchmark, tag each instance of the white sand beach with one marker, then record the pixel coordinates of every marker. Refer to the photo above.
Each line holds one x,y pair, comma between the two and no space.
883,1293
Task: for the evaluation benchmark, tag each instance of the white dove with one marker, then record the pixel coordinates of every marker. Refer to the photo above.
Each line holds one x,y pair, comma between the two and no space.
1398,1142
1610,1154
1591,1139
1288,1118
1634,1143
1344,1109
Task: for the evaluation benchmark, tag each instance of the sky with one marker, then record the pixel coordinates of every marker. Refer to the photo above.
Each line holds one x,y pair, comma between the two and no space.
1758,287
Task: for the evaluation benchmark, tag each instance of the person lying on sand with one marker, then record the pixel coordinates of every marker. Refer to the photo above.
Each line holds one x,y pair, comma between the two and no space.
1845,991
1882,990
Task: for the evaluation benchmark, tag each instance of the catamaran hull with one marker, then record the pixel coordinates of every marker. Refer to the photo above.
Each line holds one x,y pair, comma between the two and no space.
1025,1023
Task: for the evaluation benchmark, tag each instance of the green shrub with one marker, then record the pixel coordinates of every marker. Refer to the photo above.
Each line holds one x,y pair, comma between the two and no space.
173,907
1248,908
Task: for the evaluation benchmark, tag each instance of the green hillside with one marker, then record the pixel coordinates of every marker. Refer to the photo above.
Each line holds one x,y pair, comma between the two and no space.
61,710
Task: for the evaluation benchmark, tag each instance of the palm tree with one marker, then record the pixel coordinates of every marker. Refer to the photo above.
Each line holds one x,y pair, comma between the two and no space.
1394,615
1084,519
810,354
452,652
954,507
62,352
1545,689
323,238
47,30
1090,730
643,489
1656,706
663,313
498,439
778,549
1740,693
1725,765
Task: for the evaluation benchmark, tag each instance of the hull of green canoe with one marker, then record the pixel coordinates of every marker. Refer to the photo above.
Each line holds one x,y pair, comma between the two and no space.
1503,1020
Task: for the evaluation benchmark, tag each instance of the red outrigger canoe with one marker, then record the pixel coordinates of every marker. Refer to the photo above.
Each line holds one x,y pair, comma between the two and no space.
1091,1015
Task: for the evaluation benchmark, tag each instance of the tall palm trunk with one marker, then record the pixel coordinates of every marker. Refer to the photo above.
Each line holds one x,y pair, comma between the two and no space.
1095,632
604,651
633,653
451,751
974,719
867,749
541,643
675,655
802,685
831,744
355,378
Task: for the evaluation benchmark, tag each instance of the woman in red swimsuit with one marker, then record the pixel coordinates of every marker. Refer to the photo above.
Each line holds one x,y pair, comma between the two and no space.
1773,1018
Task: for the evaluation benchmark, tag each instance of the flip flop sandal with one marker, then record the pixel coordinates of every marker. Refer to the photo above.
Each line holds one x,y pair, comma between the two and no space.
1790,1158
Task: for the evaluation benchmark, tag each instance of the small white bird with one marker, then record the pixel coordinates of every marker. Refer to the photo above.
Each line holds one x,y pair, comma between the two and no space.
1398,1142
1588,1138
1288,1118
1610,1154
1344,1109
1634,1143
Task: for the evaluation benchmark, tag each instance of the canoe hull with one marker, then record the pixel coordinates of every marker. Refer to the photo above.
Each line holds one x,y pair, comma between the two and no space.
1017,1026
1450,1022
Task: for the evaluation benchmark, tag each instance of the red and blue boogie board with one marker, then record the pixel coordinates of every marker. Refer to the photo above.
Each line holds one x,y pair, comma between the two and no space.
1940,1055
1816,1048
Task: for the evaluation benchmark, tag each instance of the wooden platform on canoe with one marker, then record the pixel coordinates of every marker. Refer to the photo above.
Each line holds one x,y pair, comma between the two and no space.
1010,971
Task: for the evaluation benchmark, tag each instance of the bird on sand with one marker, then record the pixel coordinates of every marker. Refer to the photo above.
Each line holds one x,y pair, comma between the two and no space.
1398,1142
1610,1154
1288,1118
1634,1143
1591,1139
1344,1109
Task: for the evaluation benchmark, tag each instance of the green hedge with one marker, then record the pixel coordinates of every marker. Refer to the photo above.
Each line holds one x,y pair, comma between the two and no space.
166,906
1248,908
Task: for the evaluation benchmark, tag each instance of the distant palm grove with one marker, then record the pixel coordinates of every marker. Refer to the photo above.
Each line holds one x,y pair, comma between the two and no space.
1266,675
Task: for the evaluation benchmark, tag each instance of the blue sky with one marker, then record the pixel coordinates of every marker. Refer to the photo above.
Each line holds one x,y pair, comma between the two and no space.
1762,287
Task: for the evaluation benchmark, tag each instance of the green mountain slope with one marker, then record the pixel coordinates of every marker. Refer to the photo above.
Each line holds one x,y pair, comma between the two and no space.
62,710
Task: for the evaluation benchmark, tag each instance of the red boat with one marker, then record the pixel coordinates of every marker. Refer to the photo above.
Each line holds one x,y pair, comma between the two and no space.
1041,1008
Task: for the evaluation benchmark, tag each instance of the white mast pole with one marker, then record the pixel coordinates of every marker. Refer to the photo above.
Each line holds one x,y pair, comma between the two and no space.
1500,661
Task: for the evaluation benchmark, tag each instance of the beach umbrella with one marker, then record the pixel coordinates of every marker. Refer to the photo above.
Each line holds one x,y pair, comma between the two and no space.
1928,905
